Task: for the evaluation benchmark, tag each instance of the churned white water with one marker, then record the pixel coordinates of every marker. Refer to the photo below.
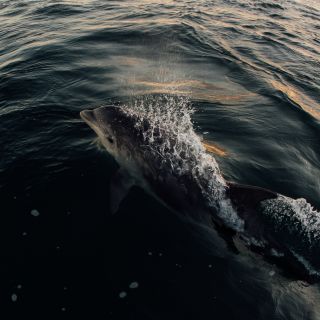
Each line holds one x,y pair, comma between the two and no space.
300,222
306,264
169,134
299,217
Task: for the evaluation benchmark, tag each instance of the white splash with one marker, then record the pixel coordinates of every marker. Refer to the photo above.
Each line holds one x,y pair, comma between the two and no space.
306,264
299,217
251,241
276,253
170,135
301,224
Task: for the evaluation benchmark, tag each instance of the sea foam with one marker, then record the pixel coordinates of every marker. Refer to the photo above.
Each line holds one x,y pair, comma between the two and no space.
298,216
170,134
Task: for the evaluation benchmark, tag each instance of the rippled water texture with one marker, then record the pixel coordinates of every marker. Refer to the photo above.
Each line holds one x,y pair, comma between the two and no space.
251,71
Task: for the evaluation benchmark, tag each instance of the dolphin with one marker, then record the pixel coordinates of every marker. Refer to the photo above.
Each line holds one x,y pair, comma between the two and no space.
176,169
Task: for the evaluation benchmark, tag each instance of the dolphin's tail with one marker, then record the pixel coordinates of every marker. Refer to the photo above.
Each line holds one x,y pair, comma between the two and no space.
281,228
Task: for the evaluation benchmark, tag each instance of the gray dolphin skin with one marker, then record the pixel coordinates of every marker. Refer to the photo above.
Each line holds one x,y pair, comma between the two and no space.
187,179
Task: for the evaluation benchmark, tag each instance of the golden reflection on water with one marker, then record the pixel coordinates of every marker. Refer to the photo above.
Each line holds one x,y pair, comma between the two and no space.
196,89
179,84
129,61
300,99
213,148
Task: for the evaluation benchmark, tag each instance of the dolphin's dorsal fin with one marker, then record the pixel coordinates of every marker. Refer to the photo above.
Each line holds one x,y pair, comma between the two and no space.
120,185
246,198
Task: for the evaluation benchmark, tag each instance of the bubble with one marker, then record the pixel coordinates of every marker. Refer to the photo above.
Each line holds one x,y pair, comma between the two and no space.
298,217
35,213
134,285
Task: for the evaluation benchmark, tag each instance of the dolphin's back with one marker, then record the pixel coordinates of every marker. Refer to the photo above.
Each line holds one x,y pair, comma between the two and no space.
246,198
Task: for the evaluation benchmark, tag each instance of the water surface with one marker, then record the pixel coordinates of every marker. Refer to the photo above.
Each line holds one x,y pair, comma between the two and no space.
251,71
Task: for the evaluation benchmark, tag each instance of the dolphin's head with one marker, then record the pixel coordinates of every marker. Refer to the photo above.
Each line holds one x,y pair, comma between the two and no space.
114,129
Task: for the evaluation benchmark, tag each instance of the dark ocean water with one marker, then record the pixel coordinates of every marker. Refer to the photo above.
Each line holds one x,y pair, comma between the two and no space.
251,70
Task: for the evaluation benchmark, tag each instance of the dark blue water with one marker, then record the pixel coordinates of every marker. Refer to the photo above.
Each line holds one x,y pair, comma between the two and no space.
251,70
